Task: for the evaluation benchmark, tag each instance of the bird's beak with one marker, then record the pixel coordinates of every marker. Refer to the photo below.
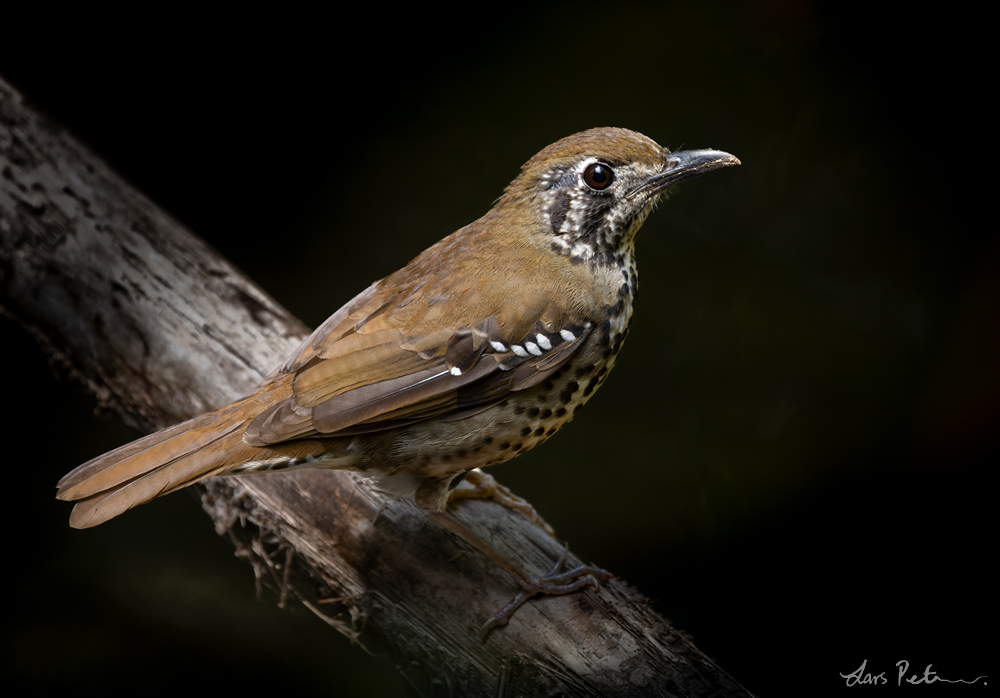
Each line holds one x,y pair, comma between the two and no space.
685,165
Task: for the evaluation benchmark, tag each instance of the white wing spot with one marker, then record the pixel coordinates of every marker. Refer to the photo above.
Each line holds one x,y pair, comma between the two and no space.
498,346
567,335
533,348
543,341
456,371
519,351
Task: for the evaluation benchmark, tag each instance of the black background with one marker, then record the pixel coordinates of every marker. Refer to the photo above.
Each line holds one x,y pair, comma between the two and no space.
791,456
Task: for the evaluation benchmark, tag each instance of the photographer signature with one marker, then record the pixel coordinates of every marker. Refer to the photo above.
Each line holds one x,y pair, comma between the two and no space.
861,676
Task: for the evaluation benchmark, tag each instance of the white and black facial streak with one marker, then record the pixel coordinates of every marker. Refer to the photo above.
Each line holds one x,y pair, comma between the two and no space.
598,226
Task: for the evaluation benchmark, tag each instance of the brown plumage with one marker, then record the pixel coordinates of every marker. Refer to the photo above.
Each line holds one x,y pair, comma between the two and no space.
479,349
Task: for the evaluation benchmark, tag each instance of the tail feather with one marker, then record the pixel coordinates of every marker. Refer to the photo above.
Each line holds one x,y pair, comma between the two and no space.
210,459
124,463
94,465
155,465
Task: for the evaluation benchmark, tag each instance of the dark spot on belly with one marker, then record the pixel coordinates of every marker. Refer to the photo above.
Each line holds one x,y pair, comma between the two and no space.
546,414
517,446
533,412
567,395
525,431
561,412
488,440
504,446
539,431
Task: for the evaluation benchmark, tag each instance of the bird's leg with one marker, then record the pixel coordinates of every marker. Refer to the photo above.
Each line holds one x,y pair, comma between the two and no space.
555,583
484,486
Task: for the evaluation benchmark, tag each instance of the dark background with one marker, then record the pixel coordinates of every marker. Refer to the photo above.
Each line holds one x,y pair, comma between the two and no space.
794,448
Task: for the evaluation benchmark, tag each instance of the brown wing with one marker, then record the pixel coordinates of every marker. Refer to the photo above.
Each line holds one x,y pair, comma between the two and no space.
377,365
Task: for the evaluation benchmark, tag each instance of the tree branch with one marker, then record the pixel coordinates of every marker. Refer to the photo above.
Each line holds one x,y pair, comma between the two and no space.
161,328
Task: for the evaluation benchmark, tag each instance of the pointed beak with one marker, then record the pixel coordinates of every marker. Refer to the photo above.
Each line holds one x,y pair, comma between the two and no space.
685,165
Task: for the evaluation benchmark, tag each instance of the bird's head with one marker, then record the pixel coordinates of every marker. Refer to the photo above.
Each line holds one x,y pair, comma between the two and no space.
590,192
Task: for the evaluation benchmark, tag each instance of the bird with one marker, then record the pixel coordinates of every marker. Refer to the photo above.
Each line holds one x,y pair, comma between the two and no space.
479,349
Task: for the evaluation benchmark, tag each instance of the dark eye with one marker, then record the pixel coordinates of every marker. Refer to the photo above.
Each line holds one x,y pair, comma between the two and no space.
598,176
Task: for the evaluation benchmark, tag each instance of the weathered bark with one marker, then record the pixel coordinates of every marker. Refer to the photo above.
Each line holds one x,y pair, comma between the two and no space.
162,328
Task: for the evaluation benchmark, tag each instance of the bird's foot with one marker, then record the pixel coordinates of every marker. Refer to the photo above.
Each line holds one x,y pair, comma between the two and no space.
555,583
484,486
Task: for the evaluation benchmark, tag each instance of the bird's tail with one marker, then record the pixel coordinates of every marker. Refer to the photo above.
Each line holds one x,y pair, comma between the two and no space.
157,464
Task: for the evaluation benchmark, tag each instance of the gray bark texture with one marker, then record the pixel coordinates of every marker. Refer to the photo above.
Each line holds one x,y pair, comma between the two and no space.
161,328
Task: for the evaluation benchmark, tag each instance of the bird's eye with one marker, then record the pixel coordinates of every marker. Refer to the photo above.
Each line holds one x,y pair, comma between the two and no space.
598,176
